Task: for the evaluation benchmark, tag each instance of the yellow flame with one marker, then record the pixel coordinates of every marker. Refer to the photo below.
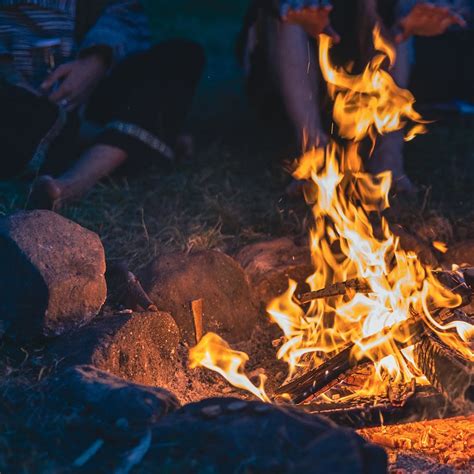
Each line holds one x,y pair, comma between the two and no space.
441,246
215,354
351,239
370,103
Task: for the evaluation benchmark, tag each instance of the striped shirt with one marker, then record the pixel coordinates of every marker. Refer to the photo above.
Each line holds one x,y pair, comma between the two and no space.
37,36
27,28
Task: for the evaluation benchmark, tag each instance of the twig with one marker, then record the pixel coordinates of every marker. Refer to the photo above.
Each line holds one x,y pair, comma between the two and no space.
197,309
337,289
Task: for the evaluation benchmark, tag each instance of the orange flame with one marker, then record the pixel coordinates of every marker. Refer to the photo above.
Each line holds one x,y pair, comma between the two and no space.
215,354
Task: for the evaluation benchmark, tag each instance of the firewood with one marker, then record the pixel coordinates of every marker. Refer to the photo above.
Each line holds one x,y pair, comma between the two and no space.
334,370
196,309
365,412
337,289
445,368
452,280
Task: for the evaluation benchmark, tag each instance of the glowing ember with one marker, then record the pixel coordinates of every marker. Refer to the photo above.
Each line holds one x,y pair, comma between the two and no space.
352,240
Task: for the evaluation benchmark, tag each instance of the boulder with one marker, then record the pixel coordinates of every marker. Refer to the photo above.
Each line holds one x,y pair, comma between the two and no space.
270,264
86,390
231,435
174,281
53,274
81,420
461,254
139,347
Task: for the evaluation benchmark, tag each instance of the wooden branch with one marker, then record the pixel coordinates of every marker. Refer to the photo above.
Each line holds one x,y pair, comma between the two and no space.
336,369
197,310
337,289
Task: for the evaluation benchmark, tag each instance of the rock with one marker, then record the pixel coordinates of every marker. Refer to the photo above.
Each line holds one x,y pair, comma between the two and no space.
139,347
270,264
461,254
212,436
53,274
412,243
174,281
109,399
434,228
83,418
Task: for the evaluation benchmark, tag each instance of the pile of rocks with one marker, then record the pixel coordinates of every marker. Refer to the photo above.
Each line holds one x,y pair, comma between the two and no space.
109,406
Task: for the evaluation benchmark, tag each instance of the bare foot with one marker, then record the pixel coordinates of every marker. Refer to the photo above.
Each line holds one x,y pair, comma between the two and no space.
45,194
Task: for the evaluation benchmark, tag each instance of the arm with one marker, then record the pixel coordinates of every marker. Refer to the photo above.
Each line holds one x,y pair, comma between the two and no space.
425,19
122,29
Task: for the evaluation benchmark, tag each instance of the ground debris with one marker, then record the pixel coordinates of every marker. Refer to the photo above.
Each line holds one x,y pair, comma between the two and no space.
449,441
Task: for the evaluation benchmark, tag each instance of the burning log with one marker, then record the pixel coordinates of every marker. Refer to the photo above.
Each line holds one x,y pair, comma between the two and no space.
337,289
445,369
334,370
452,280
425,404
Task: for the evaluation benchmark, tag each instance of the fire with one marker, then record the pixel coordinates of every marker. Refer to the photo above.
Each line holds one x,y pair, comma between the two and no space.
215,354
351,239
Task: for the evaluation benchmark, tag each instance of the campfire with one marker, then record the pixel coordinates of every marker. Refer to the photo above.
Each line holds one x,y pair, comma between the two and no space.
376,323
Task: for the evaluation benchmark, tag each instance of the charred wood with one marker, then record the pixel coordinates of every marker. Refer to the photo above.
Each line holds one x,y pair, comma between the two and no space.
425,404
127,288
445,369
334,370
356,285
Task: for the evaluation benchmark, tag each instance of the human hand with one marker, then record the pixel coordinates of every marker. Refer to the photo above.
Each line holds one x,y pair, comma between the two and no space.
79,79
311,16
426,19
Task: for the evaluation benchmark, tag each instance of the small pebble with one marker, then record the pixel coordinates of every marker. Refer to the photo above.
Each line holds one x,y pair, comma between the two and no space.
211,411
262,408
236,406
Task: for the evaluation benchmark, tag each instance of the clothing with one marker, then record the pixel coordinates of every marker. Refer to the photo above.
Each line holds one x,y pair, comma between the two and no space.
80,25
140,108
23,31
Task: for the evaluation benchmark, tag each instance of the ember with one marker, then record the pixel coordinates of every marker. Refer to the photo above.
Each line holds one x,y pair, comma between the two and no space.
371,303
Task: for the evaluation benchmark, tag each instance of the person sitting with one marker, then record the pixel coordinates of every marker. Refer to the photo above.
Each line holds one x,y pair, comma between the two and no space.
83,92
278,51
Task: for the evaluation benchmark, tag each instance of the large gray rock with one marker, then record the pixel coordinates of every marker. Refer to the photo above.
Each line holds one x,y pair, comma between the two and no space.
270,264
80,420
52,274
174,281
139,347
225,435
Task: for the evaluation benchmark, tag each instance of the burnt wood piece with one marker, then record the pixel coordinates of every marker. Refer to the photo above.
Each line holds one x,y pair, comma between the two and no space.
129,288
337,289
334,370
452,280
425,404
445,369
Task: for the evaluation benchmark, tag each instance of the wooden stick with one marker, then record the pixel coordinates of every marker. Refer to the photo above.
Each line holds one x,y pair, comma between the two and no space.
337,289
197,310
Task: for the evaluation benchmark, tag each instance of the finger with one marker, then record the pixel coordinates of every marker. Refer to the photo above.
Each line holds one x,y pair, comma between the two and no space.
55,76
64,91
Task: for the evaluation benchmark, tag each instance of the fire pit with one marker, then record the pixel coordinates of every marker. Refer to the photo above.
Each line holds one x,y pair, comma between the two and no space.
381,337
